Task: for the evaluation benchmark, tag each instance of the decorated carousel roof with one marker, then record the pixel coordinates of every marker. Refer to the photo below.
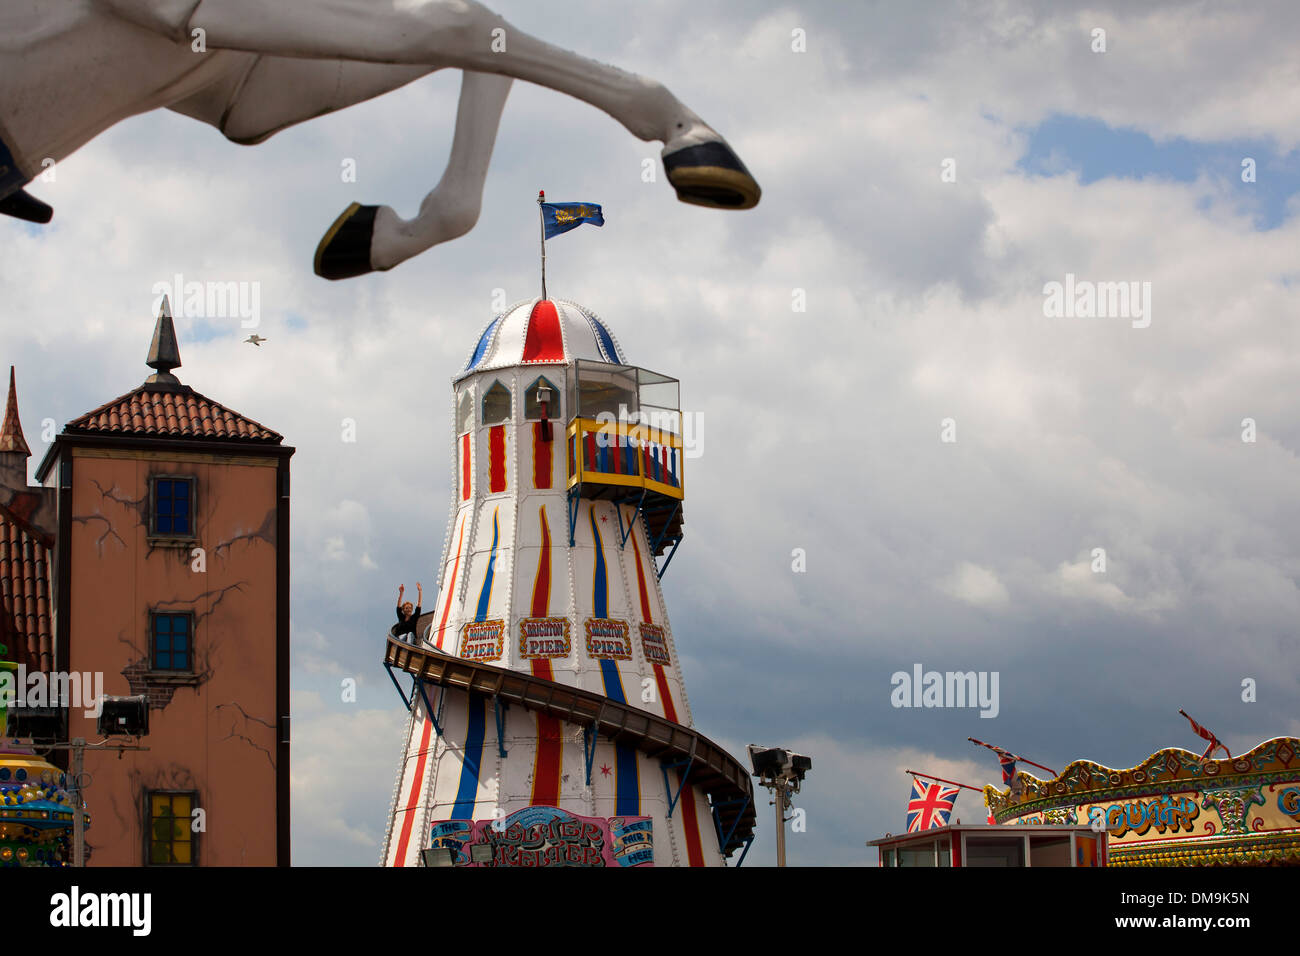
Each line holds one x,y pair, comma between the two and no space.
543,331
1173,767
36,810
1175,807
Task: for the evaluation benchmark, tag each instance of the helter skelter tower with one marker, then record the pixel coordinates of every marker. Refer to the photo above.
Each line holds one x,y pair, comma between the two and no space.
549,723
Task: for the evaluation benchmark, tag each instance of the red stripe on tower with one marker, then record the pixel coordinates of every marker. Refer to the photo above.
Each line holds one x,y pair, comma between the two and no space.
413,799
665,693
541,458
544,343
464,467
496,459
661,679
691,824
640,583
542,582
547,765
546,768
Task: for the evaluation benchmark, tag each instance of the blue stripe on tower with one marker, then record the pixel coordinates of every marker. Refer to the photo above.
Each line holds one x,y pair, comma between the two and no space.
613,682
627,797
466,793
486,592
599,588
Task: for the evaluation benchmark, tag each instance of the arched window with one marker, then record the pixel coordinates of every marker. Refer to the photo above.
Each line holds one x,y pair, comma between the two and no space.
533,408
496,404
465,413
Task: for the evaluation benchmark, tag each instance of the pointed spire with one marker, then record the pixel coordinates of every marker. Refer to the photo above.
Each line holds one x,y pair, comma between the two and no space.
11,432
164,353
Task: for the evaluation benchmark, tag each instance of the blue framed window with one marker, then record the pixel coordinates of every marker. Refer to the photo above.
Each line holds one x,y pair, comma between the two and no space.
533,408
172,646
173,506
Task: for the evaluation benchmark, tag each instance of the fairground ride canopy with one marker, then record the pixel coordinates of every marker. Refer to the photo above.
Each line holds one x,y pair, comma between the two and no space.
1175,808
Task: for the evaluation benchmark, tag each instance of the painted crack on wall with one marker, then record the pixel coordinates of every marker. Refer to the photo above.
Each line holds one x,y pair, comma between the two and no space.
244,737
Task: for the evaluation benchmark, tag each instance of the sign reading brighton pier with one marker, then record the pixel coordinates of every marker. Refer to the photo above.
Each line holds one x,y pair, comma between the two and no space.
482,641
549,836
608,638
655,644
544,637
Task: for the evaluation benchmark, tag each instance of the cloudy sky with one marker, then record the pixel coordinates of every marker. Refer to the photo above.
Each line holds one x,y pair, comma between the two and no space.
927,169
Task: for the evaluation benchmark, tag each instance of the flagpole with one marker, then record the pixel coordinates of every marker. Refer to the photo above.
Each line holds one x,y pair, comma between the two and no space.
541,219
930,776
1215,742
999,750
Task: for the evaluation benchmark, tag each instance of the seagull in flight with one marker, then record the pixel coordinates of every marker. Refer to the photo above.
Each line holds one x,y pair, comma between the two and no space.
255,339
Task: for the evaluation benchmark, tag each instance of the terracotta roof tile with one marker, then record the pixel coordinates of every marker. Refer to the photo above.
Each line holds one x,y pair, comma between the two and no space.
25,618
155,411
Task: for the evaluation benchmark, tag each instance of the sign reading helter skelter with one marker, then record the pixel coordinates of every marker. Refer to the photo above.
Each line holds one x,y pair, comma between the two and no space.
548,717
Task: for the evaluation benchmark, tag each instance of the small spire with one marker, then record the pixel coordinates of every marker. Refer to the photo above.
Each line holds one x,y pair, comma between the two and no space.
11,432
164,353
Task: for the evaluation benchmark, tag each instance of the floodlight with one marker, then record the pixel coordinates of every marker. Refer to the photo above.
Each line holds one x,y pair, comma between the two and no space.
800,765
437,856
767,761
127,716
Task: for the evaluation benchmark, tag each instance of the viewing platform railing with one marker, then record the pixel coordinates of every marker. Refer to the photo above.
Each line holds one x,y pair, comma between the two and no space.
626,456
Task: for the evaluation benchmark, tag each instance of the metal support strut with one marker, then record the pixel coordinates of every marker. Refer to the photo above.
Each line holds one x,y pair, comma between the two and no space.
428,708
400,693
745,853
589,738
668,787
654,545
631,522
575,500
669,559
724,840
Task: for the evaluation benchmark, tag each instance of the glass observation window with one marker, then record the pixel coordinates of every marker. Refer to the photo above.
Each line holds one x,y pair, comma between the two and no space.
598,389
465,412
496,404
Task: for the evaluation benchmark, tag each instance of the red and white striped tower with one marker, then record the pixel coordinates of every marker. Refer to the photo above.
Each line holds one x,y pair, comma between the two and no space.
545,674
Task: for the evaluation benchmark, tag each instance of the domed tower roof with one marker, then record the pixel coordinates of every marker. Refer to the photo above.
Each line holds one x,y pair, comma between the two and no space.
543,331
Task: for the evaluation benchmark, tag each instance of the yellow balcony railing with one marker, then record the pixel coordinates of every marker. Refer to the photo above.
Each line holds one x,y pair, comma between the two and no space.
630,455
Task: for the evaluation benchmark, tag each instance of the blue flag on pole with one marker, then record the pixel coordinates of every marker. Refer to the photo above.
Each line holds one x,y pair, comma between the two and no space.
558,217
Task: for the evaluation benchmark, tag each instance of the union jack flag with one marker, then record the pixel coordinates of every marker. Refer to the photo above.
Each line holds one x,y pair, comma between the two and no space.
930,806
1008,763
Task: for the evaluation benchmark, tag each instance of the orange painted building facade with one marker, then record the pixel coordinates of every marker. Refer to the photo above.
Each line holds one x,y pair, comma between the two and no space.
171,579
